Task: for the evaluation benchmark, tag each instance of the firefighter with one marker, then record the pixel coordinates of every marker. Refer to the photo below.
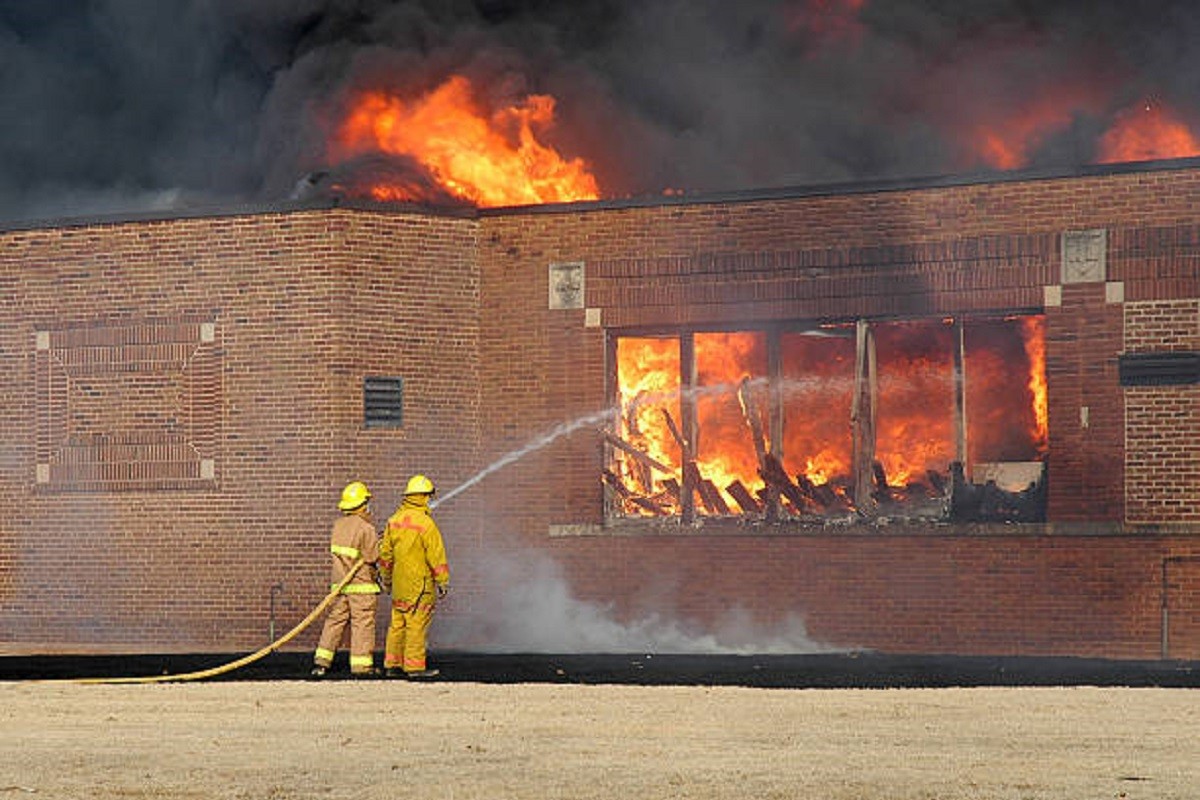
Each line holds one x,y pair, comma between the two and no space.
353,537
412,561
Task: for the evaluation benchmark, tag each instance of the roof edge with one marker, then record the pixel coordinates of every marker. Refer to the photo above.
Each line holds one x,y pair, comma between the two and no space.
683,199
873,186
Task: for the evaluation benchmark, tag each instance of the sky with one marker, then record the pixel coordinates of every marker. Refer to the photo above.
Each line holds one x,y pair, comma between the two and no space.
121,106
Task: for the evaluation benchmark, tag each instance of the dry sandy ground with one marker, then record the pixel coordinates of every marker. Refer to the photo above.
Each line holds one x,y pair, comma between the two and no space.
278,740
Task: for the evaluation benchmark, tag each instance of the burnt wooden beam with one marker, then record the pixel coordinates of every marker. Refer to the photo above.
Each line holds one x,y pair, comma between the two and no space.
677,434
614,482
862,416
819,495
771,492
649,505
822,495
881,492
637,455
754,420
776,476
687,419
960,392
744,499
710,496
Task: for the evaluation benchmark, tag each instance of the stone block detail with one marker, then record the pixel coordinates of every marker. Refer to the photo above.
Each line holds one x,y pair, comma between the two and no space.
566,285
1084,256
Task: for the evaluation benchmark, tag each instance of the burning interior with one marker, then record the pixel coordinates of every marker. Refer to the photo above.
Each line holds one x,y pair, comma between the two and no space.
922,418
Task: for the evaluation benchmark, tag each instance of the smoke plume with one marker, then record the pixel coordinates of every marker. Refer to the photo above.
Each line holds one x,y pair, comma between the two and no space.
113,106
524,604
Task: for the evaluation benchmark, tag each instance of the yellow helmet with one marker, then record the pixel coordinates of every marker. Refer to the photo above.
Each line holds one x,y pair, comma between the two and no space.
419,484
354,495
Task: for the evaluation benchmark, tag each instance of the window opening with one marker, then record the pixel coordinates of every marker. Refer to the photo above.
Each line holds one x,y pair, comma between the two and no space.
929,418
732,436
915,419
817,390
1004,477
643,477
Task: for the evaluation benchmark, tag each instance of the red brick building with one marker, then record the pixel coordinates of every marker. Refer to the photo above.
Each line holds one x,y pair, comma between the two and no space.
945,417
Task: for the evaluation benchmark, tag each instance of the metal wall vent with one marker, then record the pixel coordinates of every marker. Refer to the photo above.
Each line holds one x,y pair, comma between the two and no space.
1174,368
383,402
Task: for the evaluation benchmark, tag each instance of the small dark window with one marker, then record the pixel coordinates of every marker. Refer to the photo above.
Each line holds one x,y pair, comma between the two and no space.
383,402
1175,368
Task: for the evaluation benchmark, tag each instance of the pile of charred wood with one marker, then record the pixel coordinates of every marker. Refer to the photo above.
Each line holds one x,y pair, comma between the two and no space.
988,502
783,495
649,487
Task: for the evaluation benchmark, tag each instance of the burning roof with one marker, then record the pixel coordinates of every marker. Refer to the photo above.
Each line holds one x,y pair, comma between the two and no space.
502,102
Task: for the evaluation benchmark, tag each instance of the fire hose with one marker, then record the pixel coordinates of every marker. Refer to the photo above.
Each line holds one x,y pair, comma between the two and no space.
250,659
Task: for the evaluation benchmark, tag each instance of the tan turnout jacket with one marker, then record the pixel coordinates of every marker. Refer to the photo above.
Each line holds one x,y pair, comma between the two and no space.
353,536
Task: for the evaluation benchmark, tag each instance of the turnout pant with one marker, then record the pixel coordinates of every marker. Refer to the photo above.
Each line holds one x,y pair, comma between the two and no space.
407,634
357,611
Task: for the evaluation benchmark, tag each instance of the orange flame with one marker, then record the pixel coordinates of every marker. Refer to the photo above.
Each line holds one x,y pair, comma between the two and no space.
1006,143
1006,389
1149,131
487,159
1034,333
726,449
733,400
818,386
914,423
648,378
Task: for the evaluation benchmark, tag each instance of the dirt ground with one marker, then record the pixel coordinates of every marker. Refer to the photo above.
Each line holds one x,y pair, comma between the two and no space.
277,740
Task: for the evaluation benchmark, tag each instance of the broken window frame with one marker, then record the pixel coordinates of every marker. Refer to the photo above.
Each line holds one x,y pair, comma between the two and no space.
862,413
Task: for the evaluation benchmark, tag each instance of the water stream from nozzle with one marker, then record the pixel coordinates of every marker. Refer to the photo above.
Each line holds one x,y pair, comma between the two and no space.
564,429
530,606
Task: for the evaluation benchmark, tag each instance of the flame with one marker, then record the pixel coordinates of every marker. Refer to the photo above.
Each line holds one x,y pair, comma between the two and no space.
1006,143
1006,406
726,450
1147,132
914,425
648,379
1034,334
818,386
1005,368
489,159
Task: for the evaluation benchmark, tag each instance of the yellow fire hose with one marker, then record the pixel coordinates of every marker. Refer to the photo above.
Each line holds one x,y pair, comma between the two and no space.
250,659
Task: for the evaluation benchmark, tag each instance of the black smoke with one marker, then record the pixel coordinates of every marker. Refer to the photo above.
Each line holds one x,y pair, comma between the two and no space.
112,106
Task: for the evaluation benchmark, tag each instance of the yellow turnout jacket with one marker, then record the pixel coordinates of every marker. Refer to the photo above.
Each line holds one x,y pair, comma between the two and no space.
412,556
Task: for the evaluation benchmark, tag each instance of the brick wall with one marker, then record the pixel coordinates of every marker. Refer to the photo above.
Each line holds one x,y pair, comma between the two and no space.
1162,482
152,529
1084,583
184,403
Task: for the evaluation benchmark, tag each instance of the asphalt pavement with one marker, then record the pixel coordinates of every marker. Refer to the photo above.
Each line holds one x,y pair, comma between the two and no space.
828,670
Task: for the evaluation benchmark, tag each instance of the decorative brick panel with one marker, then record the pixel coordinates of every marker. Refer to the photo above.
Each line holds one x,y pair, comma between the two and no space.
135,406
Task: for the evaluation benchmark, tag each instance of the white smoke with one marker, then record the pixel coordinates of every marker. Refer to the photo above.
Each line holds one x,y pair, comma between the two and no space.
524,604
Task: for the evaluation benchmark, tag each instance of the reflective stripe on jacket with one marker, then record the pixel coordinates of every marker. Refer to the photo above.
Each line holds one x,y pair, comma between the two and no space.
354,536
412,556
